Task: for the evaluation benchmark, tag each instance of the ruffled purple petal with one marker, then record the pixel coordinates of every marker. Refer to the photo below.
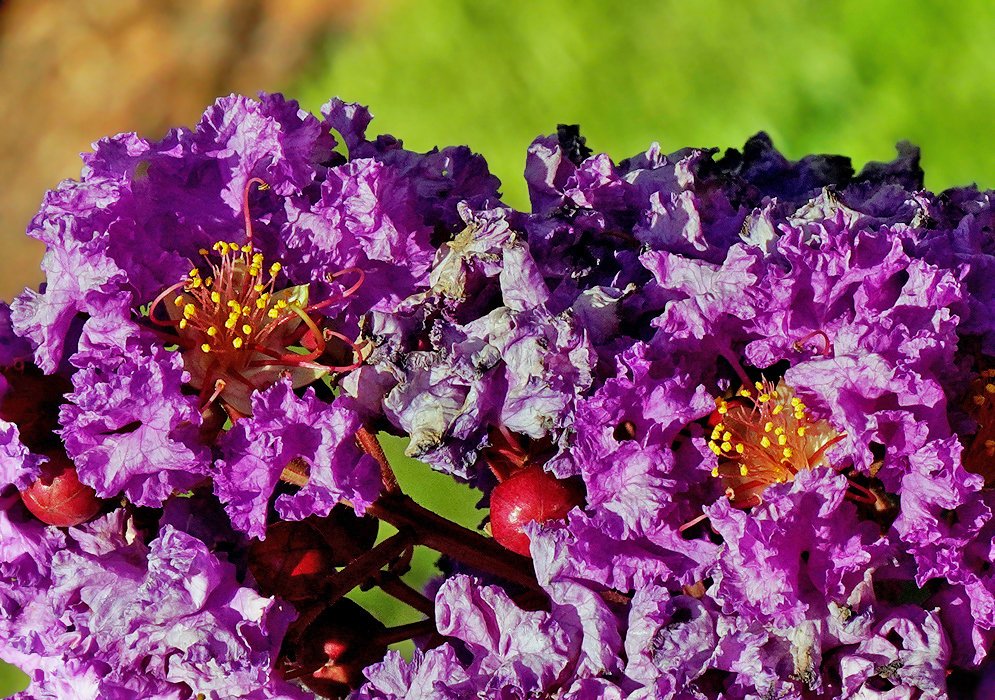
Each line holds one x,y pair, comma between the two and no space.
130,428
284,428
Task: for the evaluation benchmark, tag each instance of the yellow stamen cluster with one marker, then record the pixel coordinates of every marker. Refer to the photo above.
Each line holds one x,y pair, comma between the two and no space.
235,309
763,437
979,457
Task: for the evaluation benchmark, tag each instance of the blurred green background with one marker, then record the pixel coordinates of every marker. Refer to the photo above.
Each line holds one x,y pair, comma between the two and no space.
834,76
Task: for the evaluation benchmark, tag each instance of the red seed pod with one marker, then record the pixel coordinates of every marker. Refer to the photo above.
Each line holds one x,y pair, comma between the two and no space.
297,557
329,655
348,534
57,497
530,494
293,561
32,401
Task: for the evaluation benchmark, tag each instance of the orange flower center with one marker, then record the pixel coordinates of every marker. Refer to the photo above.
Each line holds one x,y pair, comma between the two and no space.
236,332
765,437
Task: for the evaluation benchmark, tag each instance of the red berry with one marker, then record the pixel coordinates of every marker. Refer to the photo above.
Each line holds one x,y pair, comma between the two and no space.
329,655
293,561
529,494
57,497
297,557
31,400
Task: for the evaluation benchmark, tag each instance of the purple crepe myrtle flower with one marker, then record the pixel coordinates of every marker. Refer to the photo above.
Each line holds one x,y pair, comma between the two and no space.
515,653
284,428
908,651
130,428
98,611
801,549
127,247
518,366
765,373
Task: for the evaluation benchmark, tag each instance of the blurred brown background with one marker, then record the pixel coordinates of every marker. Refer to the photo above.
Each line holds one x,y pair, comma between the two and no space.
74,71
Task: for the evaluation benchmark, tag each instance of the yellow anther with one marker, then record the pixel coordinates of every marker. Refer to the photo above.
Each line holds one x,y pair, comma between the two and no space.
274,268
237,342
230,323
212,331
979,399
246,248
782,439
203,251
183,323
215,297
207,282
178,301
715,448
205,347
759,386
765,441
260,303
743,392
778,430
726,446
801,431
716,433
221,246
768,426
777,409
272,313
795,401
247,329
743,471
763,398
990,388
234,247
189,310
739,447
234,306
726,436
195,283
723,409
715,471
799,415
787,452
258,287
281,304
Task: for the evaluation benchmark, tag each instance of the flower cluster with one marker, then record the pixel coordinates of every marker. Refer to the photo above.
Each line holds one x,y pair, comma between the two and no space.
732,417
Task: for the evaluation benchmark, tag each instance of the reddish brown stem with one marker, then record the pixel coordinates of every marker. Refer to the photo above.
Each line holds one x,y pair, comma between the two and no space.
371,446
392,585
392,635
447,537
363,567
